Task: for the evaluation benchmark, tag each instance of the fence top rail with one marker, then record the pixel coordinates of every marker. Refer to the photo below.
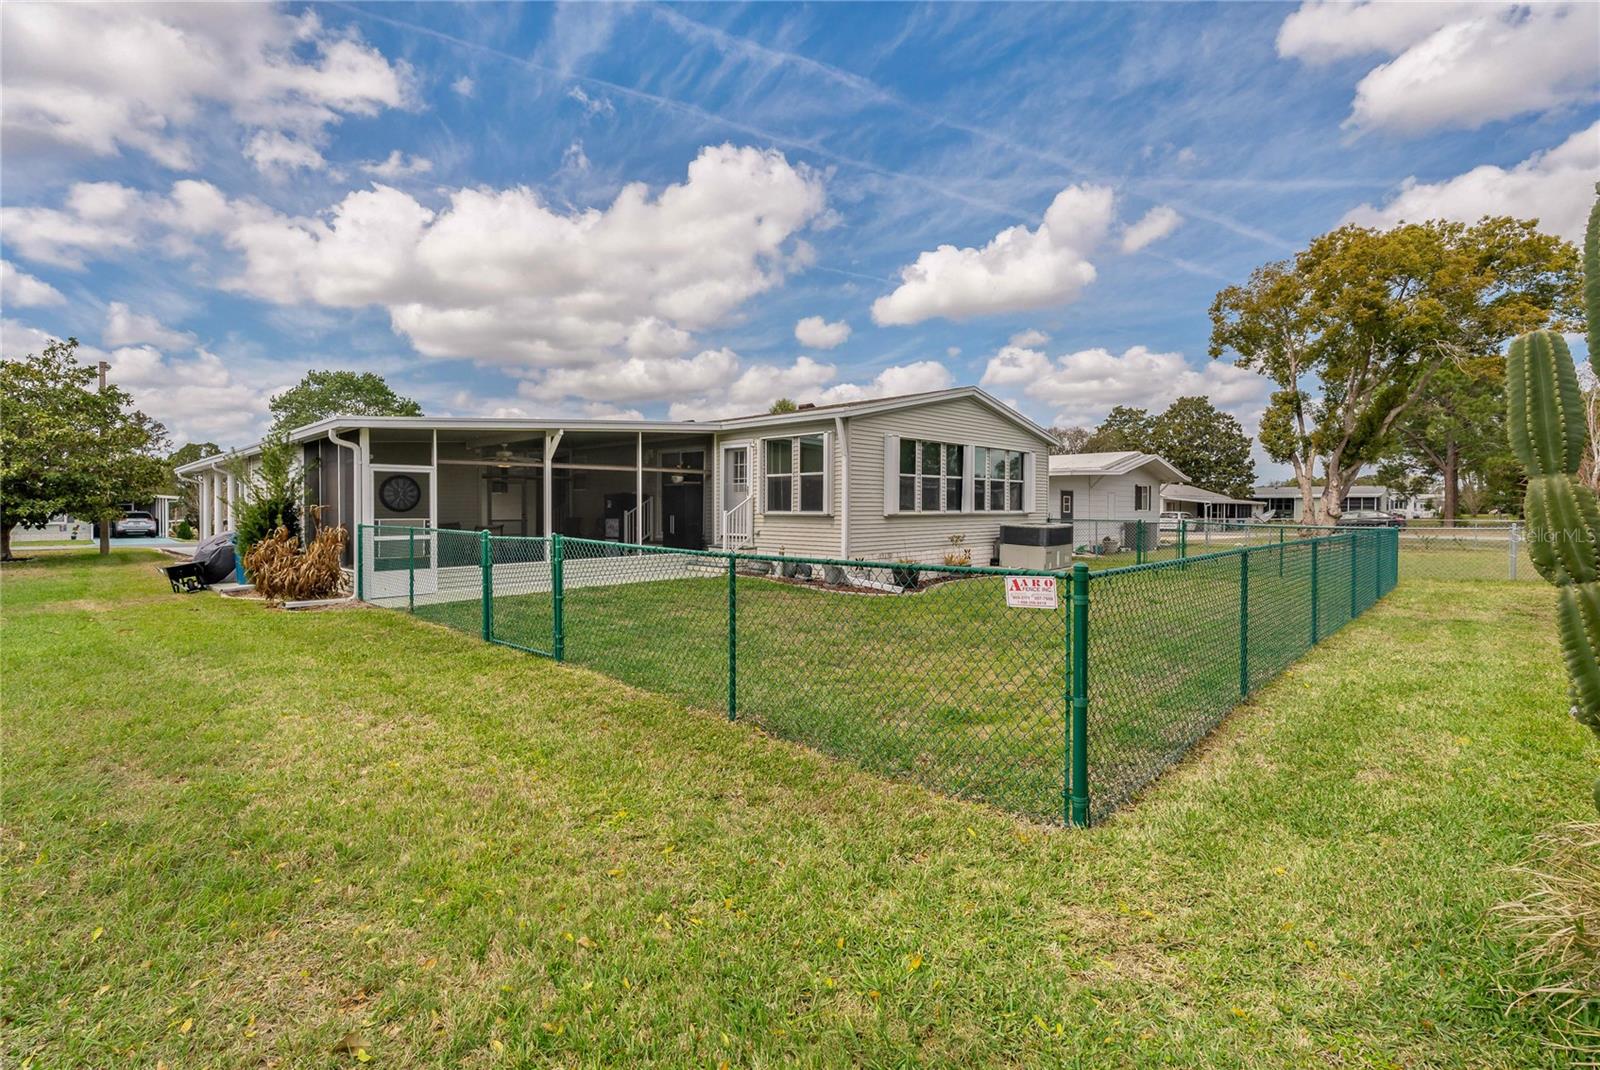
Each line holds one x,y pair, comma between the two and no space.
1340,537
840,562
399,531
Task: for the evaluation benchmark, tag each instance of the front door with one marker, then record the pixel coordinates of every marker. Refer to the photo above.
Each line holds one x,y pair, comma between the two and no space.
735,475
1066,505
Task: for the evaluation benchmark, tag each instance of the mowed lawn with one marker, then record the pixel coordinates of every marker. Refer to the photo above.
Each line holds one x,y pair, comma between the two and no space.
241,837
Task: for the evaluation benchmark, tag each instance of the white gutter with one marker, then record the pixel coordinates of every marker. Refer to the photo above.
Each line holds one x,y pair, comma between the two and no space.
844,489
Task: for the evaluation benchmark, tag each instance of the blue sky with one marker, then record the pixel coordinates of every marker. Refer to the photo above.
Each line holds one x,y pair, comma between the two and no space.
629,209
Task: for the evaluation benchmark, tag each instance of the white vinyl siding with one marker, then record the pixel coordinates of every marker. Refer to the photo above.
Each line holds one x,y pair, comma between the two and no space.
1107,497
875,449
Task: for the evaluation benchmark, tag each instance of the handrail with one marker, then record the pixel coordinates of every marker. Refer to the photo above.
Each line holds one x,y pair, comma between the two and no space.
745,510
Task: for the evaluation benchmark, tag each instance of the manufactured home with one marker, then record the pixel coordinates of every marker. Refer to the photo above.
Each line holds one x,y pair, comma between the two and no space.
1121,485
903,478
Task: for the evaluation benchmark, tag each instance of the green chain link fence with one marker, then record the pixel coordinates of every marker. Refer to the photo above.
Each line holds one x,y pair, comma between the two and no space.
1059,711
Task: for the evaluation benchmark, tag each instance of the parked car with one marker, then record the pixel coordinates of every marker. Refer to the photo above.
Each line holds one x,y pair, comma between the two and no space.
134,524
1370,518
1171,521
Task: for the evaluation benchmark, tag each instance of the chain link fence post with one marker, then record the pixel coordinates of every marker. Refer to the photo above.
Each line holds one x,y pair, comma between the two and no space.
1353,570
1183,538
1138,533
733,638
361,572
1078,776
411,570
1280,551
1244,623
1315,623
558,599
486,567
1512,543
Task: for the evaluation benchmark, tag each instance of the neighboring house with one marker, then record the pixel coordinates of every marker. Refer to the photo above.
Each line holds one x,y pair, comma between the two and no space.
1207,504
165,509
1123,485
1286,500
908,477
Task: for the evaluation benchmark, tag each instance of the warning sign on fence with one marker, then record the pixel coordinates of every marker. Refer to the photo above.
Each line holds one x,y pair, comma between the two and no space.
1031,592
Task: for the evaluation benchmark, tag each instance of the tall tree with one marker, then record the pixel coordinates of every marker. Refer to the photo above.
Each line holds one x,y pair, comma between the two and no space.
1355,328
322,394
1208,445
783,405
1457,428
1070,439
1124,428
67,447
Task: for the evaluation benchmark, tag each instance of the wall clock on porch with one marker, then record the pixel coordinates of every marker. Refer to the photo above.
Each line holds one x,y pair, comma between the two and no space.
400,494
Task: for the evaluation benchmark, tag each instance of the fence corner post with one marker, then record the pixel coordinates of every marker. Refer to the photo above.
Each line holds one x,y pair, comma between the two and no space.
733,638
558,599
1244,623
1078,756
486,565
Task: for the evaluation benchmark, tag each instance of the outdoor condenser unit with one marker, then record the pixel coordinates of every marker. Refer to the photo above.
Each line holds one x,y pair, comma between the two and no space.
1040,546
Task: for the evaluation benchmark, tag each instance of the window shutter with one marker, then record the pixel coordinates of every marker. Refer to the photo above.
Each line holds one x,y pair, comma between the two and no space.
1030,479
827,472
969,456
891,474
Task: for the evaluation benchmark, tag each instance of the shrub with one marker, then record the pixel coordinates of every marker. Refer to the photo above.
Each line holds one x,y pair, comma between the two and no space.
282,572
271,493
183,530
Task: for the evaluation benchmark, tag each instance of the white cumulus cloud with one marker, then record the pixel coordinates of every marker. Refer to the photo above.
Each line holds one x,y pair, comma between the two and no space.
1156,224
1556,187
105,78
1079,388
125,327
1018,269
18,289
818,333
1452,64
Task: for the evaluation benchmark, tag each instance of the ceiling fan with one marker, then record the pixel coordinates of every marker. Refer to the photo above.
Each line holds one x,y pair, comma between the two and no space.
505,457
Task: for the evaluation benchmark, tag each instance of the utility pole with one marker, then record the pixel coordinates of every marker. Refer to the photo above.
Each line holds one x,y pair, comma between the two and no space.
104,521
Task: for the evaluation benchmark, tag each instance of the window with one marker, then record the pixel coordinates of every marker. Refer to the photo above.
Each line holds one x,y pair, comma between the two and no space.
797,468
930,476
780,483
1141,497
997,482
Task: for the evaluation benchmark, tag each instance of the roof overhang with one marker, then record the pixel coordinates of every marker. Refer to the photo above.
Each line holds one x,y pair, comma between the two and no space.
335,424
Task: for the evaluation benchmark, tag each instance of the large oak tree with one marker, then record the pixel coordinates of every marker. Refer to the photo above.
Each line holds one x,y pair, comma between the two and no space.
1355,328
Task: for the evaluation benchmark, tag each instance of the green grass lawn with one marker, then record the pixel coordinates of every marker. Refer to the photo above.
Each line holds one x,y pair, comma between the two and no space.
242,837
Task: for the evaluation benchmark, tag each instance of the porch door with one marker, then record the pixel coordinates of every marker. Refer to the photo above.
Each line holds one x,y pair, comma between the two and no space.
402,535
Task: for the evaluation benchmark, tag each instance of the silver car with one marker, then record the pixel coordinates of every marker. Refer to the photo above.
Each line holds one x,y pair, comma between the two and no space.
131,524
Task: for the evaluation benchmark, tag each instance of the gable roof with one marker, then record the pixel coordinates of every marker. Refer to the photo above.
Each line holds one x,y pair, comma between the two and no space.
1115,463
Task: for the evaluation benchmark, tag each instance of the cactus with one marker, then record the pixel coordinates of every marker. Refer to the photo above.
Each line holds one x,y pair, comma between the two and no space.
1548,434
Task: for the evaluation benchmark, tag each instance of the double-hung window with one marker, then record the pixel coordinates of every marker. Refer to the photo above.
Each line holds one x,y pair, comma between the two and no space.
796,474
930,477
997,480
1141,497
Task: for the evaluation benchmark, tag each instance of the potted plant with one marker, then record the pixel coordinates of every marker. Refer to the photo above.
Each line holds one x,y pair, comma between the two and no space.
905,573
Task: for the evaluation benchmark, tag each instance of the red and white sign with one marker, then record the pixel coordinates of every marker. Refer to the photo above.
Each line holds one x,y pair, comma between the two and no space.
1031,592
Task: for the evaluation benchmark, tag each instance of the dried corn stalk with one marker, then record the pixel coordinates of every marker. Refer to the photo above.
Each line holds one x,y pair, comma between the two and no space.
282,572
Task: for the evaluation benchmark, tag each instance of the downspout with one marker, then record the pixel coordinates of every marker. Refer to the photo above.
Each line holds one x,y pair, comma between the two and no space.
844,489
